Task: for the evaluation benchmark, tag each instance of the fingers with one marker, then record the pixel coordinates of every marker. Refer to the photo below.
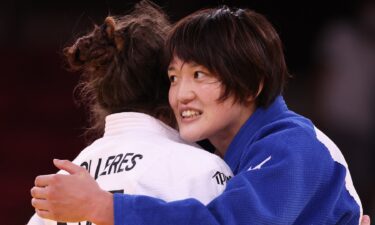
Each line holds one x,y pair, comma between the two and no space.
40,204
38,192
43,213
68,166
43,180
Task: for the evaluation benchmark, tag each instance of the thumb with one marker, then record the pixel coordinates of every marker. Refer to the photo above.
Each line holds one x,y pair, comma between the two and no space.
67,165
365,220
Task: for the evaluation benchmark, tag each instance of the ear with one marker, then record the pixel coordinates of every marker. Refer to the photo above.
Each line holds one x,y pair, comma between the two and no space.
260,88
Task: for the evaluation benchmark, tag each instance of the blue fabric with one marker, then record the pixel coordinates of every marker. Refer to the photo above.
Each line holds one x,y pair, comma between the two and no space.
283,175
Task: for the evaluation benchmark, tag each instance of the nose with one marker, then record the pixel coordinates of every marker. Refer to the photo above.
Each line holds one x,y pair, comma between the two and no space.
185,91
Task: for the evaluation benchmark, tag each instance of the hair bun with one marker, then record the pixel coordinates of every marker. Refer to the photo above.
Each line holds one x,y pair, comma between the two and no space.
91,51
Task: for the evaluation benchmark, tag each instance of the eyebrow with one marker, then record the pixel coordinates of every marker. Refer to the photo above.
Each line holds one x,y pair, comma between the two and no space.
194,64
170,68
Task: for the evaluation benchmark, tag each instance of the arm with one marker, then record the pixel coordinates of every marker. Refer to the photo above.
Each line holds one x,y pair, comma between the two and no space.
257,196
57,195
202,182
142,209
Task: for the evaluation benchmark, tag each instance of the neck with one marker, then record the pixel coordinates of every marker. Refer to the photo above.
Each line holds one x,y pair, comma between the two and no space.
222,140
221,146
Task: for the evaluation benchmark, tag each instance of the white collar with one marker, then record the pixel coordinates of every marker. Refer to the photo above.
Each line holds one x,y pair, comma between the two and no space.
131,122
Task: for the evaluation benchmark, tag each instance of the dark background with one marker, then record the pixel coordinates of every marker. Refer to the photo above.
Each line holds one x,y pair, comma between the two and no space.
329,47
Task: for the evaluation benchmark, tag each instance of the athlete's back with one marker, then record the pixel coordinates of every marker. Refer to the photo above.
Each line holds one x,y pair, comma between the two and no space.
141,155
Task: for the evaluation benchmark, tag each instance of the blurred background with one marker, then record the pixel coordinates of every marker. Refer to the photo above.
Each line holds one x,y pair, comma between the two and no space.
329,47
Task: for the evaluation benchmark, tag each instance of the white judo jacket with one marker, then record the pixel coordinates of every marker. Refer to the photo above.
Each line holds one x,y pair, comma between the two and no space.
141,155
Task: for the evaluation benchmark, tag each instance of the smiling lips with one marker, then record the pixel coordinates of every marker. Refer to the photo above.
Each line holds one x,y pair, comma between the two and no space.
190,113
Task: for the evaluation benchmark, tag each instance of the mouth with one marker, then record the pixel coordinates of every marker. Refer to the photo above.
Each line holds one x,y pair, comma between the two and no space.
190,113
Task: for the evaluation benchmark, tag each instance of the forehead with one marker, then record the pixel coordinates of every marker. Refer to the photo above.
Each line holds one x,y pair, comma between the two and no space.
177,64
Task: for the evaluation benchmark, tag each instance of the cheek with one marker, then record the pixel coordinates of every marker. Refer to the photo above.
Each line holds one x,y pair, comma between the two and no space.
208,94
171,98
222,111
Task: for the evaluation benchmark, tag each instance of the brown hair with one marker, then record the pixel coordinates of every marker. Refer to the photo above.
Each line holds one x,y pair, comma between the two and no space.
120,63
238,45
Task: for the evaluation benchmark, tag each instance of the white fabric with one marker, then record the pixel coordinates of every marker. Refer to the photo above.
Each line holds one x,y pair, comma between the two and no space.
36,220
338,157
141,155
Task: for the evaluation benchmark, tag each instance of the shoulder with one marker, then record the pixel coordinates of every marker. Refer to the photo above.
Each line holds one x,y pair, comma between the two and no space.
293,140
290,133
93,148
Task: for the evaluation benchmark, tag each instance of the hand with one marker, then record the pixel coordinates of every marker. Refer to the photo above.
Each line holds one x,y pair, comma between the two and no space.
365,220
71,198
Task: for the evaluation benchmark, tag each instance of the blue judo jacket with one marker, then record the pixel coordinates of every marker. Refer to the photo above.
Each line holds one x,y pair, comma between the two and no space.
286,171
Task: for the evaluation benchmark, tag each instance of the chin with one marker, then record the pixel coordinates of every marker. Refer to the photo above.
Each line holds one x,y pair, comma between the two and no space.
189,138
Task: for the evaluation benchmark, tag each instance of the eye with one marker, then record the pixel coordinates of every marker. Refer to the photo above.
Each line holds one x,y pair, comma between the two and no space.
172,78
198,74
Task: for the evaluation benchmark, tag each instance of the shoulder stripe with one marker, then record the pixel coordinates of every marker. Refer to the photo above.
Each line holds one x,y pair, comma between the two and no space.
339,158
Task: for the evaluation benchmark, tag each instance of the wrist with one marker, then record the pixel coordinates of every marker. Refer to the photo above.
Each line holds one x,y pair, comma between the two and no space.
102,213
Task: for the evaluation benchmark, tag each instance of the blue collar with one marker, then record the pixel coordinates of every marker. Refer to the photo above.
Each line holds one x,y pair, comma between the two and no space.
256,121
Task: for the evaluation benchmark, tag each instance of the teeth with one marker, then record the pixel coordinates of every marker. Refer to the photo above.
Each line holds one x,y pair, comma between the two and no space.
189,113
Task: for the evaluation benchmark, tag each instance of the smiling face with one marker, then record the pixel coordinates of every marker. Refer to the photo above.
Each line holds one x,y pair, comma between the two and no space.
193,96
